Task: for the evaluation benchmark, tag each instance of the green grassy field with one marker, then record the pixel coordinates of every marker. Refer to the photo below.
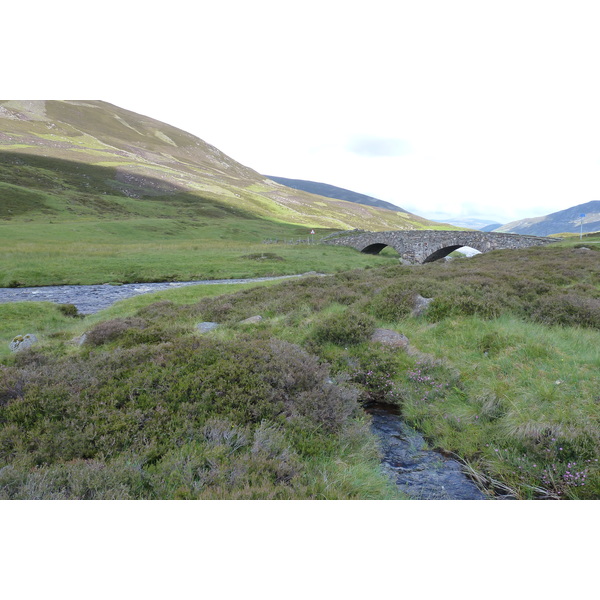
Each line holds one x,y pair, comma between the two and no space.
143,250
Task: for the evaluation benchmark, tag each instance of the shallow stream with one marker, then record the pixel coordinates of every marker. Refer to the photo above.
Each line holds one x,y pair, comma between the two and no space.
420,473
90,299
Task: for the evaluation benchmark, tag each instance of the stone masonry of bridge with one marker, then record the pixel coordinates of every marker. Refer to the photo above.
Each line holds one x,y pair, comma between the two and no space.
421,246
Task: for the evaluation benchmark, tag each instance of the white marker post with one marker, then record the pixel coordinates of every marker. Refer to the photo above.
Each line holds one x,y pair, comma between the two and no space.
581,216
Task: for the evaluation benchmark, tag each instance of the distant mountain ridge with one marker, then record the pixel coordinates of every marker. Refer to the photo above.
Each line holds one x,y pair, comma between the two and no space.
472,223
563,221
492,227
134,156
332,191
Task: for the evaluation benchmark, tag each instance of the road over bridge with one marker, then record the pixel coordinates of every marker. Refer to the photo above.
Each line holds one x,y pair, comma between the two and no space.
421,246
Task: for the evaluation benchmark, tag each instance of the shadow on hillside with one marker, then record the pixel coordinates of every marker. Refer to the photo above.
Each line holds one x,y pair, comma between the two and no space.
92,186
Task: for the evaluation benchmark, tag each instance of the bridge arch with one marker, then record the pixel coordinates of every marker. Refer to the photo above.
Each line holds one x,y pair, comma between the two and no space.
374,248
446,250
441,253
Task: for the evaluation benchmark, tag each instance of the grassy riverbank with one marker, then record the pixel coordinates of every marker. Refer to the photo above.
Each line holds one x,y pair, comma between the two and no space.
55,321
501,371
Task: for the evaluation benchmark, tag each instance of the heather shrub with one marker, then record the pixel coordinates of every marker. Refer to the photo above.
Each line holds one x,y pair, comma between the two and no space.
393,303
220,432
69,310
585,289
301,382
462,305
109,331
348,327
12,385
344,294
75,480
199,417
327,405
218,310
528,289
163,309
351,276
375,371
567,309
159,332
268,469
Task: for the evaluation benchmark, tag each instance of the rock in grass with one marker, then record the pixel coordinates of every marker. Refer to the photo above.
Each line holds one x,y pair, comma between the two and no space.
206,326
22,342
251,320
391,338
80,339
421,305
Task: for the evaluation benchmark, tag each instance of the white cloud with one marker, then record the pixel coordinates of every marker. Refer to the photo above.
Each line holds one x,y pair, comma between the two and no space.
369,145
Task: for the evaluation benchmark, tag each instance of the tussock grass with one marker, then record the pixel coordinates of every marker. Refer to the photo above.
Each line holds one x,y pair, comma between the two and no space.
518,407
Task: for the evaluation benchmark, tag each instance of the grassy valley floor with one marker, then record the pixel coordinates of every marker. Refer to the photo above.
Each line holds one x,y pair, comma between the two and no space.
128,252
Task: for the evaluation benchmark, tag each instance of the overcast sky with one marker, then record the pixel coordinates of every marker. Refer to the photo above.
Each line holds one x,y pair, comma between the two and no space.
445,108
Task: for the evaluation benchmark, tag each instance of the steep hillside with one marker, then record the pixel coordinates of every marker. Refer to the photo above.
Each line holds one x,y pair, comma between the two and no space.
105,158
563,221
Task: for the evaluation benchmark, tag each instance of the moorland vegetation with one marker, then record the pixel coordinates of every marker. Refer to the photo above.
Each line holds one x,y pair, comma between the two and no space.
501,371
135,402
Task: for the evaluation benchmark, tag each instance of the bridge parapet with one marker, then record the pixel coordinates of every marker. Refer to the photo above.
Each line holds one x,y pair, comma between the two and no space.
420,246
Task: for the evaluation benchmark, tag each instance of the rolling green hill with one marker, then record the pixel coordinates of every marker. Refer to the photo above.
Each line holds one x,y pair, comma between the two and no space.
91,159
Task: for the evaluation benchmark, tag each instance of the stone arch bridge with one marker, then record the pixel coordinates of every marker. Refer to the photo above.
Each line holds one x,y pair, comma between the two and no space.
422,246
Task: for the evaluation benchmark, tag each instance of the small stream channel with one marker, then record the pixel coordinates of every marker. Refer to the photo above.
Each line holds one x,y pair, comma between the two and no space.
420,473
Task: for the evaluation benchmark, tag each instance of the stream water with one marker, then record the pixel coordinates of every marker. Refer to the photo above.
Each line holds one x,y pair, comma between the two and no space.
420,473
90,299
